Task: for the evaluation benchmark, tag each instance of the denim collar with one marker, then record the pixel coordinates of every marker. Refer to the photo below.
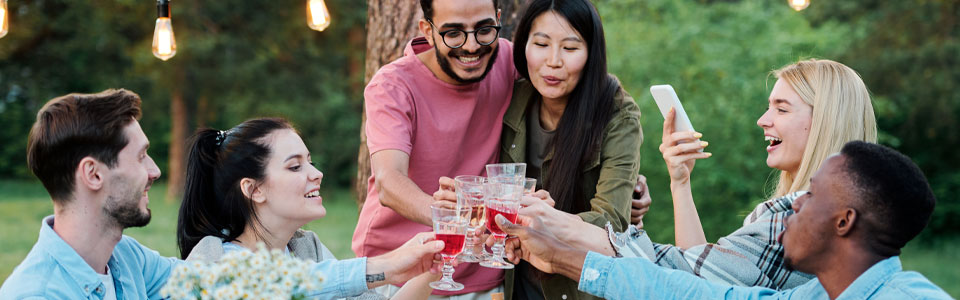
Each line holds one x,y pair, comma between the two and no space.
870,281
74,265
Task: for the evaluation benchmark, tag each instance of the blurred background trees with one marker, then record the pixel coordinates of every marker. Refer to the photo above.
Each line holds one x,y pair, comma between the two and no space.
258,58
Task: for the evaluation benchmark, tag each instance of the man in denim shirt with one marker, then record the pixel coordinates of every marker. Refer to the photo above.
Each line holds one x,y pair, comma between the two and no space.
864,205
91,155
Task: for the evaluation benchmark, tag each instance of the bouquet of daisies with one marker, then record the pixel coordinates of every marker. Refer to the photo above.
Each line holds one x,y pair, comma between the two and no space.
244,275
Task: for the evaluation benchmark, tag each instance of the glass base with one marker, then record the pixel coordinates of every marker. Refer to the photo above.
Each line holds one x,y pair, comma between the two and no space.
446,285
496,263
469,258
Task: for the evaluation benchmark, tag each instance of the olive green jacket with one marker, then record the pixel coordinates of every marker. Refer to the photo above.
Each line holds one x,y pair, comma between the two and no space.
607,182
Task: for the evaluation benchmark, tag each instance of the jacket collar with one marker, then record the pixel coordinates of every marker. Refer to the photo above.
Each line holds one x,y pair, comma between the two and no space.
523,93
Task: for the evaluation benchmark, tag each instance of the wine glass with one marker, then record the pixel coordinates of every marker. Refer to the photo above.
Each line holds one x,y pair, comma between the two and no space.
470,195
529,185
450,226
507,170
502,198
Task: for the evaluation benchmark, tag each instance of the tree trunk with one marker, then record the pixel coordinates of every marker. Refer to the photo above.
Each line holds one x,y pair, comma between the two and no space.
178,136
390,25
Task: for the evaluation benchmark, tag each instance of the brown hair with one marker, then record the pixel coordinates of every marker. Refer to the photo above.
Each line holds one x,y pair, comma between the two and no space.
74,126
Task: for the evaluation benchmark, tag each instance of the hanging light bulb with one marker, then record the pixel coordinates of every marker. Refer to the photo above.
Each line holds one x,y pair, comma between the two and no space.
164,45
318,18
799,5
3,18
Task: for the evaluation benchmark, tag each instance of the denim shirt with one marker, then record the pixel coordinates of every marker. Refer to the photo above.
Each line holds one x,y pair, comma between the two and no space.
630,278
53,270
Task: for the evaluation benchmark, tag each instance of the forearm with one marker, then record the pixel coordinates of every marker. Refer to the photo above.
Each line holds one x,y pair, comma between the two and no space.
378,272
417,288
568,261
588,237
625,278
401,194
688,230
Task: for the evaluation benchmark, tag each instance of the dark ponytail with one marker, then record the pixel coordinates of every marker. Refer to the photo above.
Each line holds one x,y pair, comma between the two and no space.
213,203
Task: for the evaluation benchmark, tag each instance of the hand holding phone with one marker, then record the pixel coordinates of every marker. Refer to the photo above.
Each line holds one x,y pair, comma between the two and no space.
666,98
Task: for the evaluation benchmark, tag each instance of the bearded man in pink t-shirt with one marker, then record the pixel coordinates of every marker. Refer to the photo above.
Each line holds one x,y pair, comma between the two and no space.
436,111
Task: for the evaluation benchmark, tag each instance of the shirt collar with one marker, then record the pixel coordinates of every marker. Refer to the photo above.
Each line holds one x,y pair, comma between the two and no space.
874,278
68,259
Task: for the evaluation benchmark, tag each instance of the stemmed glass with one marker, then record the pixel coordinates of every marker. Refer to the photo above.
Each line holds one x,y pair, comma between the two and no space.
515,170
502,198
529,185
470,195
450,226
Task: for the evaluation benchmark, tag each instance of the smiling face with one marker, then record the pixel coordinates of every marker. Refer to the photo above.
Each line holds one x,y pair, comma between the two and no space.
556,55
472,61
786,126
292,184
130,179
811,230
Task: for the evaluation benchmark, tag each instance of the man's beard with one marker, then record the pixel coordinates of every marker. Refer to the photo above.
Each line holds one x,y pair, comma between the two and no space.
445,61
125,210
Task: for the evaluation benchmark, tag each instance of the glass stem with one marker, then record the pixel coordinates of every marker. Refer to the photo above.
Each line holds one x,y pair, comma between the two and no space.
472,241
498,246
447,268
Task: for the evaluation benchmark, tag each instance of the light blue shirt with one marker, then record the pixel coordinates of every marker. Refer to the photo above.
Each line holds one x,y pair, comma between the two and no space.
633,278
342,278
53,270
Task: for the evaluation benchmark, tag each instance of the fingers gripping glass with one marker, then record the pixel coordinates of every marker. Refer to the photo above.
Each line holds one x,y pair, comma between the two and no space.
456,38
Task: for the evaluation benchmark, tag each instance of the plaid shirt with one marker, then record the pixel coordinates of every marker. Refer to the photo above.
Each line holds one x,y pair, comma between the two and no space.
750,256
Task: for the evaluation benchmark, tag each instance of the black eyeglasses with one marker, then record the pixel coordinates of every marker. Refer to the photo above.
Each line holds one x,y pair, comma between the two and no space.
456,38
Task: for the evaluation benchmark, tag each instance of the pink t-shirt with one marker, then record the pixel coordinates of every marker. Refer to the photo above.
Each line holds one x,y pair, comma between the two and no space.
447,130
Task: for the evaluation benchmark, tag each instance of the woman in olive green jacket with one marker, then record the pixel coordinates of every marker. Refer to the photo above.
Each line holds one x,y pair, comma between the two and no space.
575,127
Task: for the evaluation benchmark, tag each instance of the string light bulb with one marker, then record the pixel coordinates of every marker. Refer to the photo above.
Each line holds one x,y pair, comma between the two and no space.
164,45
4,16
798,5
318,17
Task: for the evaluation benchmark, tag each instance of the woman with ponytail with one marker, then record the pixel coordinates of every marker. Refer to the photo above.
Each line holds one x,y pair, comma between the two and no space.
256,183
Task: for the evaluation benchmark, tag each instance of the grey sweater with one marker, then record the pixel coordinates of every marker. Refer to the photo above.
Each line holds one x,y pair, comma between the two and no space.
303,245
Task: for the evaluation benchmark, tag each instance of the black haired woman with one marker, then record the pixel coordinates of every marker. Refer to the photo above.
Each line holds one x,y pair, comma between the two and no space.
256,183
575,127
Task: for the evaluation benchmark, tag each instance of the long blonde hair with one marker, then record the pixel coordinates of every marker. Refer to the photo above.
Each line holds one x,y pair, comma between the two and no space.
842,112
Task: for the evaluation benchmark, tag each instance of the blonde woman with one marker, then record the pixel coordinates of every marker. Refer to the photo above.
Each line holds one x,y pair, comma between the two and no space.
814,108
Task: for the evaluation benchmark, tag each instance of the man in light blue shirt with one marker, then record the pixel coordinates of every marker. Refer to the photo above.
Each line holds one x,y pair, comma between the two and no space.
90,153
864,205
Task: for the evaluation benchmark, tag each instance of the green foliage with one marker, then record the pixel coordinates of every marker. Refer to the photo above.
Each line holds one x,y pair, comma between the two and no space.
234,62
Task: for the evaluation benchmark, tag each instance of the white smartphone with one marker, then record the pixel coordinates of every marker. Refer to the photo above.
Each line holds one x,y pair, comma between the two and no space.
666,98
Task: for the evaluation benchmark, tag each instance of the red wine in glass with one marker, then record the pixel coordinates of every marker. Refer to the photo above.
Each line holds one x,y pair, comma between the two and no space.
492,213
452,243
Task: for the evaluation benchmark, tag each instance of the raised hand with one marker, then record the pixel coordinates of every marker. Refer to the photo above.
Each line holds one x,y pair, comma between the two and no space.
447,190
542,249
641,202
680,151
418,255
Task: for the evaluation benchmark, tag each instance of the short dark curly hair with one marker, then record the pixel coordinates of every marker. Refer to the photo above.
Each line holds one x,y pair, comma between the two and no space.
427,7
895,199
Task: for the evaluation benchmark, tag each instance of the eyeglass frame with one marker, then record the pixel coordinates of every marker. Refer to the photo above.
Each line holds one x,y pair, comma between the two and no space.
443,34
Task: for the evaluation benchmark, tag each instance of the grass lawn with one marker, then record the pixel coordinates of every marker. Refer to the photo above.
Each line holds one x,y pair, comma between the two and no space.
23,204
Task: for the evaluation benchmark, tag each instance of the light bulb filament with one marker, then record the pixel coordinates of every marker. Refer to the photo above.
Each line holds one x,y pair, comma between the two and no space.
318,18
